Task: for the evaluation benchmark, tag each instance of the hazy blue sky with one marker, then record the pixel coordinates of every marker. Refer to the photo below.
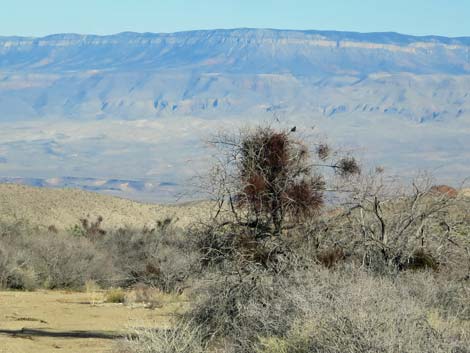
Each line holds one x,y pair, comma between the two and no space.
41,17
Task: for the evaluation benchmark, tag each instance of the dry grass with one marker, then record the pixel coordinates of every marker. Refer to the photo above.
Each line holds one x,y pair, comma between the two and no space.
115,295
182,338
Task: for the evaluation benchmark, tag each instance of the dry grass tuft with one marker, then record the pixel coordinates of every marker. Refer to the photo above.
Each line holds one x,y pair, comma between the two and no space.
115,295
183,338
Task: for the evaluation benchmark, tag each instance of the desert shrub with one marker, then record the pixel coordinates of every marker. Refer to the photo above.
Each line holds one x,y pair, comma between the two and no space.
62,261
5,266
130,251
15,228
115,295
183,338
322,310
359,312
236,310
448,296
32,257
160,257
14,271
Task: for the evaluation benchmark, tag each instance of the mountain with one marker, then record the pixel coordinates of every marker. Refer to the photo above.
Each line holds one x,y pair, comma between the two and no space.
131,75
134,189
84,105
239,51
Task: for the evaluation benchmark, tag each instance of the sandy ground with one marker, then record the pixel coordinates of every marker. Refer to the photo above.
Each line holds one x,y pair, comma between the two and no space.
65,312
64,207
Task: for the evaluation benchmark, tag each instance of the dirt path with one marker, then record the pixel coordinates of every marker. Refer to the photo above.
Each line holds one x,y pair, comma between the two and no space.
67,322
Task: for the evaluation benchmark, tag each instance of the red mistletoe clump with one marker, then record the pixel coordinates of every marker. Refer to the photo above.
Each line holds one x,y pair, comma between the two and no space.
277,179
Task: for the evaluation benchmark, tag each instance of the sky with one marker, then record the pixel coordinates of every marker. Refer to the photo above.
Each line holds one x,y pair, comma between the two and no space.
418,17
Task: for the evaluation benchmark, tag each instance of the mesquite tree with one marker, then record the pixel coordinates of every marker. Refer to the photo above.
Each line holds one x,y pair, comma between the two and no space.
270,177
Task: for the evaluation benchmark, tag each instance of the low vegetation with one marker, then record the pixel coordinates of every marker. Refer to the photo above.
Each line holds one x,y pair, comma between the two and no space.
305,252
33,258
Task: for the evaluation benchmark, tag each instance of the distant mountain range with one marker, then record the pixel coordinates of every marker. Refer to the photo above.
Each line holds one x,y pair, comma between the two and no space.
403,99
134,189
254,51
208,73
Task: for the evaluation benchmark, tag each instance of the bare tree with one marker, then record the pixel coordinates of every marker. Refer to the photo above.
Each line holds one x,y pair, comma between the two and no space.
270,179
404,227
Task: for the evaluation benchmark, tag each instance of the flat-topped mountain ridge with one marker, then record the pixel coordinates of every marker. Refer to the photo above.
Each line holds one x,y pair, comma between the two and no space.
239,51
238,72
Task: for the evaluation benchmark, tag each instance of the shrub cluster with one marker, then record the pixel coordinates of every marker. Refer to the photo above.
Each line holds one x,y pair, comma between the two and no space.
45,258
319,310
32,258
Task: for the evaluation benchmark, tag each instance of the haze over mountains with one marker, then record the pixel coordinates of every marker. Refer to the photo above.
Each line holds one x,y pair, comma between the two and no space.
135,106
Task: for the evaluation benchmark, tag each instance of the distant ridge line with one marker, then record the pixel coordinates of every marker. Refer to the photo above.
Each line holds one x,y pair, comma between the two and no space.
375,37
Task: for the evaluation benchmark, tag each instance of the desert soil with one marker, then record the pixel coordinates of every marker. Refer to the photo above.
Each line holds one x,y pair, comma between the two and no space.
56,313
